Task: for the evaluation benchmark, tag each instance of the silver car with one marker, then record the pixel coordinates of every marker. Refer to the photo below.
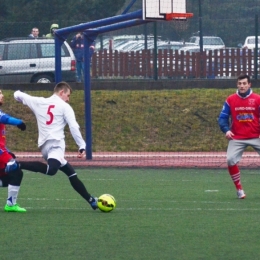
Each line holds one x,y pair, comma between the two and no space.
26,60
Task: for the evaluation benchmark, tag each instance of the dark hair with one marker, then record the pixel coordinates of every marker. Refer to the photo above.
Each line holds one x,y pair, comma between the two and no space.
62,86
244,76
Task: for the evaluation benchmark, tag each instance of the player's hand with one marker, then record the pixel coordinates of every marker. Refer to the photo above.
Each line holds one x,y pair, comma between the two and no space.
81,153
22,126
229,135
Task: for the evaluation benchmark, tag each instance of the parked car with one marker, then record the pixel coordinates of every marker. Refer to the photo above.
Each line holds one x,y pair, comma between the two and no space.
127,46
25,60
250,42
209,42
189,49
171,45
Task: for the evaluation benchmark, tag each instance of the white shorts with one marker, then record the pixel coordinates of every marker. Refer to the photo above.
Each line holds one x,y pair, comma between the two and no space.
54,149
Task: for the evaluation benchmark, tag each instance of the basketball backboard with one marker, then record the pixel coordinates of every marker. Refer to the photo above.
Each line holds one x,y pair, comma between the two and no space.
165,10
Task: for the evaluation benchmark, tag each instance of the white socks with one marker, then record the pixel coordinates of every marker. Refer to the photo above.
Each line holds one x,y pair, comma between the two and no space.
12,195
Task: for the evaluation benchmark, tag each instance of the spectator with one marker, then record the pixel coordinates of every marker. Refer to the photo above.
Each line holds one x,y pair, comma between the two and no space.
34,33
77,44
53,28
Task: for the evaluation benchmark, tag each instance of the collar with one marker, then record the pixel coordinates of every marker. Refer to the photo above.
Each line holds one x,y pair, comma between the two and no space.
246,94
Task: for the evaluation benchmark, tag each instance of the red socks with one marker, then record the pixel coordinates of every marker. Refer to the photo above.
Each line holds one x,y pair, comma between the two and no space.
235,176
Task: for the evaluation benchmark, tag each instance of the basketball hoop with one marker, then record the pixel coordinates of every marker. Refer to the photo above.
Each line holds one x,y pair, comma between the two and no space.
178,16
166,10
179,20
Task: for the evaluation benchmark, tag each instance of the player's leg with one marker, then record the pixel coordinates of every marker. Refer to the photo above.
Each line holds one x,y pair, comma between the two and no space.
234,154
49,154
82,70
78,185
50,168
15,178
34,166
57,152
78,71
12,180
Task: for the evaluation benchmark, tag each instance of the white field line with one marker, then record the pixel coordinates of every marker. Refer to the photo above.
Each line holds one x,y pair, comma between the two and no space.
146,209
155,201
143,208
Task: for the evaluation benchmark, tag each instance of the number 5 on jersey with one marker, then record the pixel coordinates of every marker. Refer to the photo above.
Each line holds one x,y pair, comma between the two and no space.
50,114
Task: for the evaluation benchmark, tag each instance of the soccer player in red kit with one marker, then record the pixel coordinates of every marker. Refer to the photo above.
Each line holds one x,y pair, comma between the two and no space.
243,108
13,179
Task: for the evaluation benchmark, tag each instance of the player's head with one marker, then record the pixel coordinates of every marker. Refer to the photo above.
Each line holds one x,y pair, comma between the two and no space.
63,90
243,83
244,76
1,98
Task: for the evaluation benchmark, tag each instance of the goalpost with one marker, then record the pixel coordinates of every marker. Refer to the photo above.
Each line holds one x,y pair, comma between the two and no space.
152,10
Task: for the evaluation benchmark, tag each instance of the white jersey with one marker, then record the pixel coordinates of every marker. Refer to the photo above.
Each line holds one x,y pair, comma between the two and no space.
52,115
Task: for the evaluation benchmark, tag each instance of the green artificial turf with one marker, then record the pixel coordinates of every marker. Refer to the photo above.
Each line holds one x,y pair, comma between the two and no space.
160,214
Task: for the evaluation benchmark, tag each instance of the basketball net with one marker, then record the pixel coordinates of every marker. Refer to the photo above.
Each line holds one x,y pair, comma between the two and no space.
179,20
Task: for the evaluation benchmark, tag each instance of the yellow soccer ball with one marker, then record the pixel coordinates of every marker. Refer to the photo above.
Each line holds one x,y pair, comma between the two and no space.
106,203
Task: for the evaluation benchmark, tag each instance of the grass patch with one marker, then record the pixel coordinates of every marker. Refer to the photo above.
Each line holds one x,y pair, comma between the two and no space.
160,214
164,120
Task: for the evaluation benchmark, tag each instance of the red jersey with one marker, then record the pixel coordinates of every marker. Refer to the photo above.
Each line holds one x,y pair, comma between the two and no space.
4,155
2,136
245,115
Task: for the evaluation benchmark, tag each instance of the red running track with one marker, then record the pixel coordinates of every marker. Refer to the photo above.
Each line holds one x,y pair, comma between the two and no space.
153,159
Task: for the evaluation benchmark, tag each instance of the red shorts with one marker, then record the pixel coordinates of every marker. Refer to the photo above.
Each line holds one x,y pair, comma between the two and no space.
5,157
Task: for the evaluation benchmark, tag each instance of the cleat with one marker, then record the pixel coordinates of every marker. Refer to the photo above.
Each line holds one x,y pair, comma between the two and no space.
14,208
93,203
241,194
11,166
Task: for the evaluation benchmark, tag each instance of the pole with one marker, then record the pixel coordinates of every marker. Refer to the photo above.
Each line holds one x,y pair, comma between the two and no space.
155,69
201,40
87,96
145,36
256,48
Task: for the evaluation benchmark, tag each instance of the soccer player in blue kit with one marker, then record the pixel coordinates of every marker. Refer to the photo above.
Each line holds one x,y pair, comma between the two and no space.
52,115
243,108
13,179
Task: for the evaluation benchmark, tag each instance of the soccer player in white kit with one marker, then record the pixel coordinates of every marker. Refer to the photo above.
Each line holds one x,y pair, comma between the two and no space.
52,115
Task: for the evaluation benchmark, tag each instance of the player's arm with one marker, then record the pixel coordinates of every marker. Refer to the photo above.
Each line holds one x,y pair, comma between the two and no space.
9,120
76,134
223,119
26,99
75,131
21,97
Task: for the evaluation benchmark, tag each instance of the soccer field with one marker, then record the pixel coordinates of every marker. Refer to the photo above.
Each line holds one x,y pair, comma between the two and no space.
160,214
